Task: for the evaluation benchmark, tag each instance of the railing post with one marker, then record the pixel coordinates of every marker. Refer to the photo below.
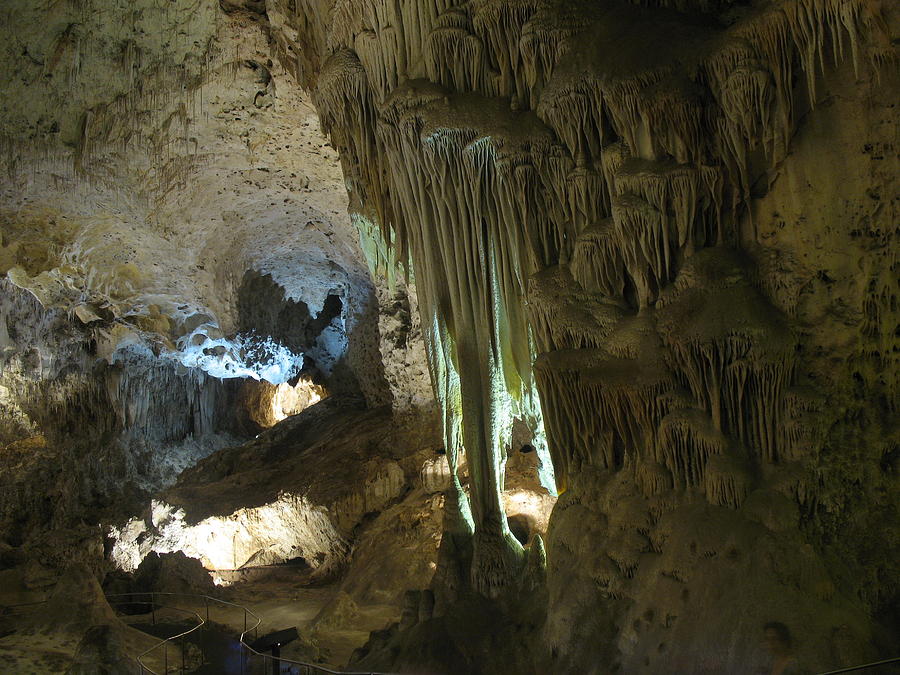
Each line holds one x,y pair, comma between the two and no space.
244,654
153,607
166,657
182,655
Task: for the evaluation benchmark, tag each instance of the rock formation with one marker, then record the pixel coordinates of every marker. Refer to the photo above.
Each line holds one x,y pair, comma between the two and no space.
632,211
643,249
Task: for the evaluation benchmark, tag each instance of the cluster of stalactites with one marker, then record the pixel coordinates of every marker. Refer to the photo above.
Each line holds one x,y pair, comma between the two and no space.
159,401
694,389
629,107
576,155
713,96
597,74
706,105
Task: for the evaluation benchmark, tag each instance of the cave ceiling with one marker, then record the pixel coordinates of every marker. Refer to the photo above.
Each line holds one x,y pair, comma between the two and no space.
153,154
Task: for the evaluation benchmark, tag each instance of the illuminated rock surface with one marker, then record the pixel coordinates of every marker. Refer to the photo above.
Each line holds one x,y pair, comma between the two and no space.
641,252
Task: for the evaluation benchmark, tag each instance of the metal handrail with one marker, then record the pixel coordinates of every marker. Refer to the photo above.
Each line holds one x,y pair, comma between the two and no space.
874,664
310,667
166,641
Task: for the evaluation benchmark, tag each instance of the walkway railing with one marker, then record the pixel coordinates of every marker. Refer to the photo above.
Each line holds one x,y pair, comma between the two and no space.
153,608
252,662
852,669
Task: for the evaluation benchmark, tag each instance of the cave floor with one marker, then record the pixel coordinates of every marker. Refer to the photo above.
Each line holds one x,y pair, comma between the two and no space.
29,647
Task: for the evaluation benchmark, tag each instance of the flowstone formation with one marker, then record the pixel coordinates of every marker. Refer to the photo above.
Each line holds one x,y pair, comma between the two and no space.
675,224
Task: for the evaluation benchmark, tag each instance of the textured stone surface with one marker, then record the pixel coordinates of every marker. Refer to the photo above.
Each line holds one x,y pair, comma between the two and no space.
655,241
297,492
74,631
647,213
157,179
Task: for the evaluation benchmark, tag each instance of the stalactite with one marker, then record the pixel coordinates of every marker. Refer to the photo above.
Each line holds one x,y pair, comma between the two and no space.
653,478
481,148
544,42
597,260
646,248
445,380
688,441
727,480
563,185
341,80
499,23
733,351
144,390
691,196
589,199
604,409
625,547
454,56
564,317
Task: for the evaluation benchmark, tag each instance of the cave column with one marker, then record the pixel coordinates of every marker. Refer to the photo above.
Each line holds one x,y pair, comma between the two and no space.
496,555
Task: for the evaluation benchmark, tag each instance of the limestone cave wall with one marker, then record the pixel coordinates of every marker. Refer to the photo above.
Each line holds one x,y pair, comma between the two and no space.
174,244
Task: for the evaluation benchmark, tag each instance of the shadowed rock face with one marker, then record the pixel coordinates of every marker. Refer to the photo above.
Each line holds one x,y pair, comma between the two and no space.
102,651
654,240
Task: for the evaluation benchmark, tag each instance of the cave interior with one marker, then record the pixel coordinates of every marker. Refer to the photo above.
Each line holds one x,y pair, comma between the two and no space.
450,336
